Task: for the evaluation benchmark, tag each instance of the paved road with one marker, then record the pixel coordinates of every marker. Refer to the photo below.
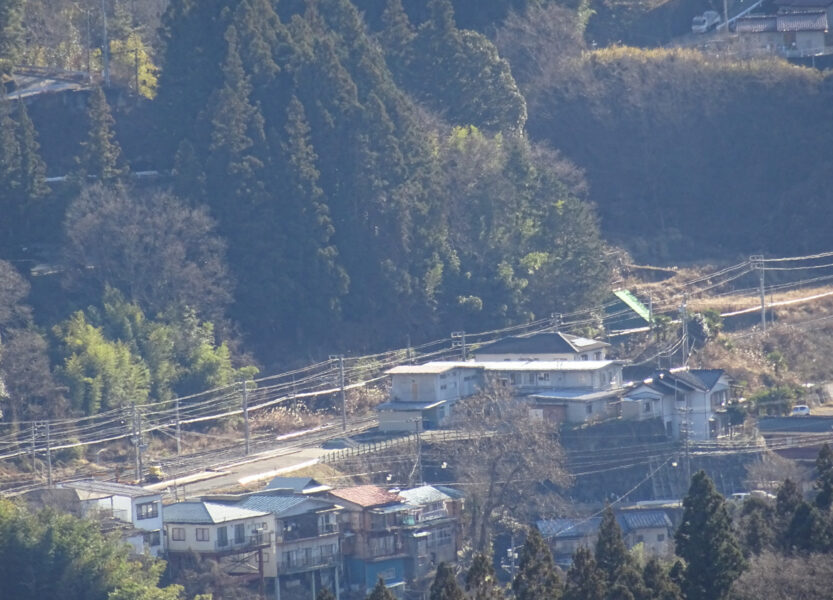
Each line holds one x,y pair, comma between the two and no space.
250,473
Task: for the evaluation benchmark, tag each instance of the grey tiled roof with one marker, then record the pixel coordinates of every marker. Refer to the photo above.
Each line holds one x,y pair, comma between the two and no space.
568,528
643,519
542,343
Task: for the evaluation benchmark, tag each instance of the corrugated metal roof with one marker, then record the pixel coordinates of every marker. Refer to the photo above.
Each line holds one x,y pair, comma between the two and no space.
545,365
284,506
803,21
634,304
628,521
409,406
578,395
756,24
425,494
206,512
108,488
366,495
429,368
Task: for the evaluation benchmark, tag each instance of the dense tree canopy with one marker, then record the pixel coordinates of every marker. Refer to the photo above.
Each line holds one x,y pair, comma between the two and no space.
48,556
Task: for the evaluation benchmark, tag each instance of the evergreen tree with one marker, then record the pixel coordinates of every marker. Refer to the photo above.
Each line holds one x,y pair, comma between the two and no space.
381,592
100,156
397,35
585,581
706,542
32,167
659,584
325,594
756,527
809,530
9,172
787,501
611,553
11,33
445,586
481,581
824,478
536,578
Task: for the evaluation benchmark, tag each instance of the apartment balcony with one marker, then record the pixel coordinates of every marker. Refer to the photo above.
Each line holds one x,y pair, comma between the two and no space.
303,563
254,541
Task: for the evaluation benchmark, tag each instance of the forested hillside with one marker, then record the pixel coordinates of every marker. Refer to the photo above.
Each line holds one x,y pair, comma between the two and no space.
337,175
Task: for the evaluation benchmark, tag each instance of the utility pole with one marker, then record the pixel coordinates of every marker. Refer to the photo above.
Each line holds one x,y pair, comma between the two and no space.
418,424
34,443
758,263
178,430
246,413
136,438
555,321
340,358
48,456
460,335
684,321
106,46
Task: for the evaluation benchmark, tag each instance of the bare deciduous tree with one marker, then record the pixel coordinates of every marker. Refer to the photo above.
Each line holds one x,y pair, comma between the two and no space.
508,463
151,246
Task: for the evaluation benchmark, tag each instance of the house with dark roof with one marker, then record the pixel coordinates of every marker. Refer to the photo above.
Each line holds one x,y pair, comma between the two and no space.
652,529
298,485
789,33
690,402
543,346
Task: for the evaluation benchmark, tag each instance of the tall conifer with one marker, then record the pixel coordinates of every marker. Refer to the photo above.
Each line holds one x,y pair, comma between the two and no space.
611,552
481,581
537,578
706,542
445,586
585,581
100,156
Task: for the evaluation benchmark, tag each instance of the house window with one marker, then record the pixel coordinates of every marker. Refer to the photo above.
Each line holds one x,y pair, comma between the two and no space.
222,536
640,539
202,534
530,378
443,386
152,538
264,526
647,406
660,537
239,533
544,376
148,510
585,357
598,356
178,534
266,557
589,409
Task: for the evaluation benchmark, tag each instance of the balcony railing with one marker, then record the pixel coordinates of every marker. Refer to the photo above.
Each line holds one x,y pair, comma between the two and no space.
254,540
304,563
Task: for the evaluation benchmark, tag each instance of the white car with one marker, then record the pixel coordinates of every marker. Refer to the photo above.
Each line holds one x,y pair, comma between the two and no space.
800,410
705,22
